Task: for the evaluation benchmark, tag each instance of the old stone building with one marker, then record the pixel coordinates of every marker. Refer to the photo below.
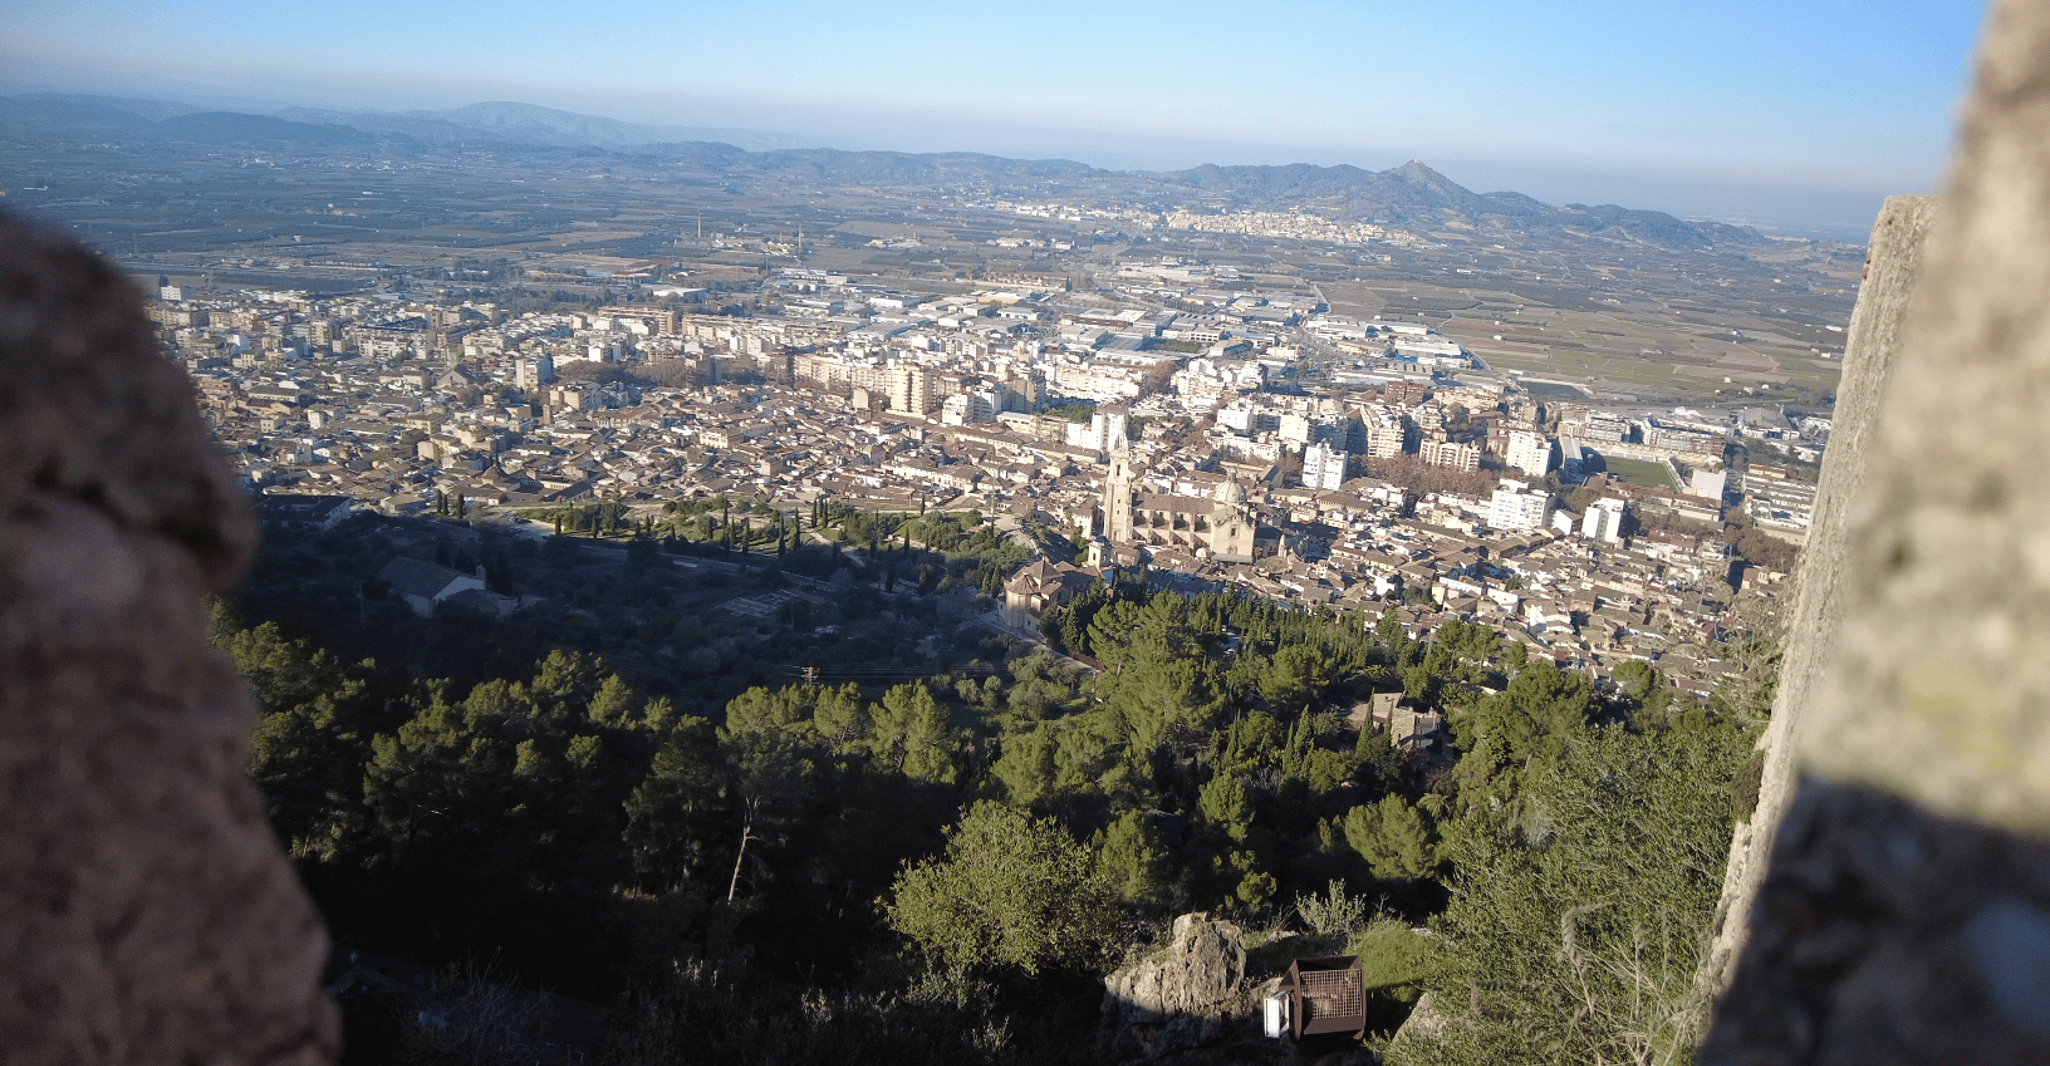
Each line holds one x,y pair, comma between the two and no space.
1219,526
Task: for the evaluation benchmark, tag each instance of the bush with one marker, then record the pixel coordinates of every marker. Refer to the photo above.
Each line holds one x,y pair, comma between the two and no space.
1394,959
1011,891
1333,913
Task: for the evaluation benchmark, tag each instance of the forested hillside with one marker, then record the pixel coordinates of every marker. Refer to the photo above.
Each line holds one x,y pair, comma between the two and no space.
940,867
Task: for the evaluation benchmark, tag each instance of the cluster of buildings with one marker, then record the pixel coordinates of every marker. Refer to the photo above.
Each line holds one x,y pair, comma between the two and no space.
1129,219
1167,440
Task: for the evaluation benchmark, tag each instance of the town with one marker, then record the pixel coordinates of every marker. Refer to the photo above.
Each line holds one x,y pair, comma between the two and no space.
1166,418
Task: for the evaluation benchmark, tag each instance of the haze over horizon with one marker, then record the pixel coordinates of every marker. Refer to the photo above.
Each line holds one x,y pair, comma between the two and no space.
1751,112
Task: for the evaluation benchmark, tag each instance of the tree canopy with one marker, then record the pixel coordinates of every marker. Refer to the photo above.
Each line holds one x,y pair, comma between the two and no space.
1008,818
1010,890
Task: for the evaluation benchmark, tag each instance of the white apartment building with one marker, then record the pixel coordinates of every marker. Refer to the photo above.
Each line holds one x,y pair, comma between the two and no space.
1445,453
1388,432
1704,441
1515,507
1323,467
1603,521
1105,432
967,408
911,390
1529,452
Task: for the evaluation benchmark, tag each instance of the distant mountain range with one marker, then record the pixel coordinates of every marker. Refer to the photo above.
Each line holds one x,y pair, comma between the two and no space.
476,124
533,124
1412,195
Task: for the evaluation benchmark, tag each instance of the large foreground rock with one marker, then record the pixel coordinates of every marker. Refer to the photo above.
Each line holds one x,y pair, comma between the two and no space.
146,913
1171,1003
1893,269
1887,935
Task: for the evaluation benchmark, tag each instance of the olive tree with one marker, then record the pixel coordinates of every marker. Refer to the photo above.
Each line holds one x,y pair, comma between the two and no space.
1009,891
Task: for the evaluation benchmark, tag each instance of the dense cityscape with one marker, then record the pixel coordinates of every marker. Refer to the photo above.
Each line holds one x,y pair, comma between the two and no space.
1160,423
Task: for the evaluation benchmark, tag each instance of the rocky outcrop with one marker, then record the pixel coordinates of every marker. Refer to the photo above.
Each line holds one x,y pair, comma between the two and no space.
1173,1002
146,912
1892,269
1424,1025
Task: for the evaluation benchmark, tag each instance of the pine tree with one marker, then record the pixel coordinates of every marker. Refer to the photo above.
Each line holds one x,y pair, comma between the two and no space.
1394,837
1131,858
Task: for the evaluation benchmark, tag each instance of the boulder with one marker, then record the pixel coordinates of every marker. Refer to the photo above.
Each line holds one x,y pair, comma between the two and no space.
1202,968
1170,1003
147,913
1424,1024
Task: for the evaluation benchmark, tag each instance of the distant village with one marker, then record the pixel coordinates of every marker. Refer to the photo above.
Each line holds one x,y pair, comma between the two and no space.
1186,445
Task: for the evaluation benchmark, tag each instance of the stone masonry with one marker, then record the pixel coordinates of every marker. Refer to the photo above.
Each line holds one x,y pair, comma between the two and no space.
146,912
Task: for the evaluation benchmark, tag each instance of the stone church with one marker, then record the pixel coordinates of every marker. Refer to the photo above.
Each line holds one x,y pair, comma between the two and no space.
1218,527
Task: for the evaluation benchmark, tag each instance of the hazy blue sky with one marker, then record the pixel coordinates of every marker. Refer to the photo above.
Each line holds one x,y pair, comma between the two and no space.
1835,97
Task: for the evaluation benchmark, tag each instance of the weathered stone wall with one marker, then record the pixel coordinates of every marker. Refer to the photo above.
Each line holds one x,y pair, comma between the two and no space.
1905,913
1893,265
146,913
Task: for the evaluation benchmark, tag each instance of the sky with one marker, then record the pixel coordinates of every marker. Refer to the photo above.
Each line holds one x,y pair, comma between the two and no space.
1801,108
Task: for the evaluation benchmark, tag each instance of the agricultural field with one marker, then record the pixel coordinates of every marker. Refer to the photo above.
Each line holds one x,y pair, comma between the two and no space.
1636,349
